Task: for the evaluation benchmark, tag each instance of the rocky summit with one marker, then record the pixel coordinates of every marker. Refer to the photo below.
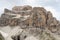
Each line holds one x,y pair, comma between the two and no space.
30,23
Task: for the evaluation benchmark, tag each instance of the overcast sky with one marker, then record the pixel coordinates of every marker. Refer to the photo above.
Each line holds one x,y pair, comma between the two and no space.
52,5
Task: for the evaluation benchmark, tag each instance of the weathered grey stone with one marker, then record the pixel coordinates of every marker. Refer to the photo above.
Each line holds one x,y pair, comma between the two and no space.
22,8
49,15
36,33
38,18
8,11
3,22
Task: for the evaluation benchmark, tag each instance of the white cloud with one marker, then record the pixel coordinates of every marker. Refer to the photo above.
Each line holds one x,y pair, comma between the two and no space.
30,1
46,0
57,0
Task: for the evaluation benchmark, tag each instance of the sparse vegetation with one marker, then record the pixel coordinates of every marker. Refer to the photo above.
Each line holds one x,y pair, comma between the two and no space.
1,37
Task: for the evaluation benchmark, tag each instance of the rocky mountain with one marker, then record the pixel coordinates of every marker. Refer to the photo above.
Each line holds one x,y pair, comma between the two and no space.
34,21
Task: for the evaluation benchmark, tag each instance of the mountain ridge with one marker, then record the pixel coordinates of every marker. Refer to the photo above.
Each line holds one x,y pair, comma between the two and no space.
28,18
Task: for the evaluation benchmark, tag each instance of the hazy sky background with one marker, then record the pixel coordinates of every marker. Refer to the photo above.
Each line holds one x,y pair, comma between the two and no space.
52,5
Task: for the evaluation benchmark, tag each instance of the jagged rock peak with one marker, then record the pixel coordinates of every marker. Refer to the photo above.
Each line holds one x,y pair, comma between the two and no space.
27,15
20,8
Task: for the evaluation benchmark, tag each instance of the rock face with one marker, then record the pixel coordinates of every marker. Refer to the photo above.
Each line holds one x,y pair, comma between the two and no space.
34,21
21,8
